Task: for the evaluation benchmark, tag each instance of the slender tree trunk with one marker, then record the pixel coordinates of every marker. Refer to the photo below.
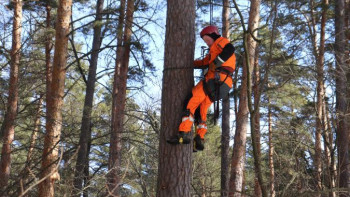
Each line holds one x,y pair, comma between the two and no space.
251,47
55,101
48,48
32,143
112,177
118,106
225,137
271,139
319,55
35,132
271,151
174,172
85,134
8,126
256,89
341,100
238,154
329,150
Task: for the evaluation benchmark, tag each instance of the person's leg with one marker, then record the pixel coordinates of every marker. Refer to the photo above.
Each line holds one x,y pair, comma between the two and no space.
202,127
183,137
197,98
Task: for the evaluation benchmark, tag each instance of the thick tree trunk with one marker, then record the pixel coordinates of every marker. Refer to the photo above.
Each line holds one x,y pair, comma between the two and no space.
118,105
85,134
341,99
8,126
225,136
55,101
174,172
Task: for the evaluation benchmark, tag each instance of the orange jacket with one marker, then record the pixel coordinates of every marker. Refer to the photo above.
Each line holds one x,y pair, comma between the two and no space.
215,50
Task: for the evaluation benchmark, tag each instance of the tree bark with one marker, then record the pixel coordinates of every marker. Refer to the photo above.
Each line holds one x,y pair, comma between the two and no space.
8,126
82,163
118,105
271,151
341,99
48,48
174,172
55,101
240,138
251,47
319,56
225,136
256,119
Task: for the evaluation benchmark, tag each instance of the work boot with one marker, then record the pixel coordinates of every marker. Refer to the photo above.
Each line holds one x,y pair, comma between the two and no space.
180,138
198,143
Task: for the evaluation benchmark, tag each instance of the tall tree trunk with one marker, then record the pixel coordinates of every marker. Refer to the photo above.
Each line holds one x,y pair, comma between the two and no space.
238,154
8,126
118,105
174,172
271,151
85,134
225,136
319,56
32,143
256,120
55,101
48,48
329,150
251,47
341,99
271,139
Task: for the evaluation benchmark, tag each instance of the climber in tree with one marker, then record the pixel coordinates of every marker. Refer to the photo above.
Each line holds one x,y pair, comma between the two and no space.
217,82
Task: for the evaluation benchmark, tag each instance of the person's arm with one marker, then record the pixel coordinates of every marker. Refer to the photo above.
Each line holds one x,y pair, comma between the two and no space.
203,63
226,53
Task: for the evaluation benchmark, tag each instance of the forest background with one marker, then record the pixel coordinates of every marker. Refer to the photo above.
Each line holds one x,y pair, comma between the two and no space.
85,95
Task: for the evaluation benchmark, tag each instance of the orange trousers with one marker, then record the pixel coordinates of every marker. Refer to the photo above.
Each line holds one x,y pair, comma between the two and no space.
198,99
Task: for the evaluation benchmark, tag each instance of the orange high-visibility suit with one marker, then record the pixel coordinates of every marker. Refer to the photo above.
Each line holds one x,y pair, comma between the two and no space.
221,62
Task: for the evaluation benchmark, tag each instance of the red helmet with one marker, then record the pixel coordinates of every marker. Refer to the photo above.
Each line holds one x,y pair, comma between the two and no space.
208,30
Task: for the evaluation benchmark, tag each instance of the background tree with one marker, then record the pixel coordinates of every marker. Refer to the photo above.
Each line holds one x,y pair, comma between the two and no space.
82,164
55,101
342,101
8,125
225,136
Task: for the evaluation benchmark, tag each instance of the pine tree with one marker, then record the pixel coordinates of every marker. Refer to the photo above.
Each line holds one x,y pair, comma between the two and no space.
8,126
174,174
55,101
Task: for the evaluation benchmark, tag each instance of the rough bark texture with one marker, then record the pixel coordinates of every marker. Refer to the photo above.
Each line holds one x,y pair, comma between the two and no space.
8,126
118,105
225,136
251,46
85,134
115,157
174,172
341,100
238,154
55,101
